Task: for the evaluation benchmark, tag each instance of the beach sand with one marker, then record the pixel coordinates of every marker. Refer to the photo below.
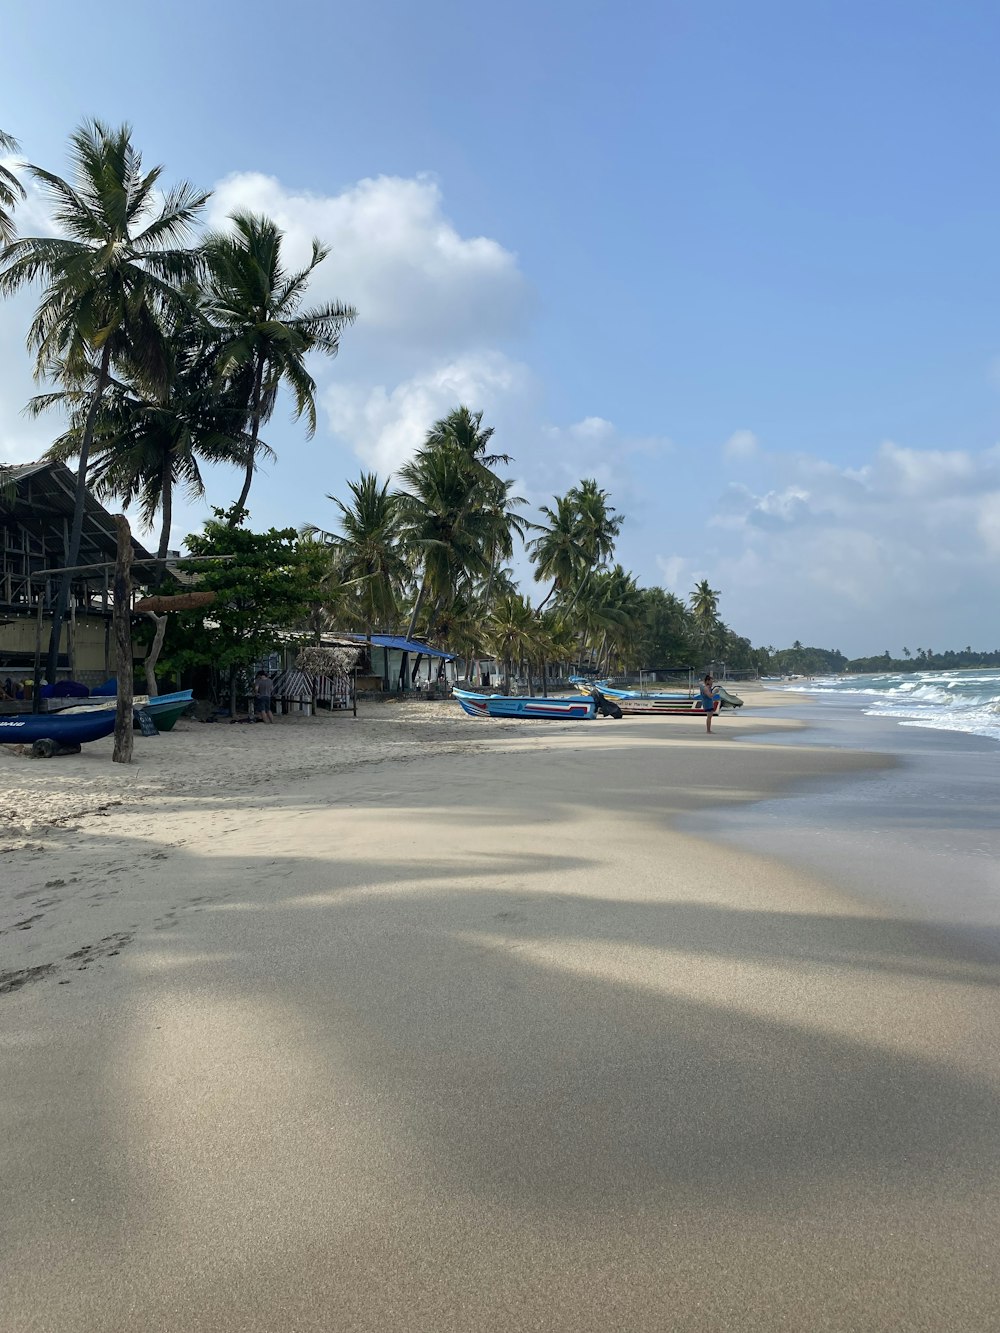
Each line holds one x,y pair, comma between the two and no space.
422,1022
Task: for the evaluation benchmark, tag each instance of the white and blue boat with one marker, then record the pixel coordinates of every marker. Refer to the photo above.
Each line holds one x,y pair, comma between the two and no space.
662,705
577,709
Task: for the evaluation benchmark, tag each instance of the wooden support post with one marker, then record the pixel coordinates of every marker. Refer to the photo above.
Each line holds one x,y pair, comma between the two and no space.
36,689
123,642
71,641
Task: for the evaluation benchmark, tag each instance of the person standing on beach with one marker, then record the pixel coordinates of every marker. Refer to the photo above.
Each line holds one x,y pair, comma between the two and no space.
263,688
706,697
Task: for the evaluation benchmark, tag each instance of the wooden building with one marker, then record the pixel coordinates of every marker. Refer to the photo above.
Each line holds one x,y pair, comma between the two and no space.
36,512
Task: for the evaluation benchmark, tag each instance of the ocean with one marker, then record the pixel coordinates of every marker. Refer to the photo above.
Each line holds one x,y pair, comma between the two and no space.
967,701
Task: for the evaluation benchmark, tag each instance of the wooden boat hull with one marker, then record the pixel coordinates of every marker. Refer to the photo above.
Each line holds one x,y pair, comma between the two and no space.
673,705
657,706
63,728
164,709
520,706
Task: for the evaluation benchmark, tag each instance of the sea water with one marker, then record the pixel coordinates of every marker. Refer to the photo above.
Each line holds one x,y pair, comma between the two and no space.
967,701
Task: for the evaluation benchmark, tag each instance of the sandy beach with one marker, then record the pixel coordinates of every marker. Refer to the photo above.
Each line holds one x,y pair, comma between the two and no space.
418,1022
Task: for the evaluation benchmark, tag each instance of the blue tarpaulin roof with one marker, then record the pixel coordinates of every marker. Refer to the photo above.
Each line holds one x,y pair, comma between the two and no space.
404,645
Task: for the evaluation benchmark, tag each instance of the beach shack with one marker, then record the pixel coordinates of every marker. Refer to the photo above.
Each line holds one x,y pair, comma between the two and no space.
36,511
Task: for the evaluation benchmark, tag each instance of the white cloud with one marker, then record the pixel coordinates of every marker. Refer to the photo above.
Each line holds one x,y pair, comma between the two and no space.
903,546
418,285
740,445
384,425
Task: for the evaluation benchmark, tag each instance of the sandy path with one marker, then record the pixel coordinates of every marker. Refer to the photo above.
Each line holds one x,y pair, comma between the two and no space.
480,1043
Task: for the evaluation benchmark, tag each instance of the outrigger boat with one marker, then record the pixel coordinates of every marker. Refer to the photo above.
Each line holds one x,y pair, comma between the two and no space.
575,709
635,702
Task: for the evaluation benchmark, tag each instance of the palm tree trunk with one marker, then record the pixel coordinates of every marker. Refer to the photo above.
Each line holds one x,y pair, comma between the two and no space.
167,511
76,531
236,513
418,607
541,605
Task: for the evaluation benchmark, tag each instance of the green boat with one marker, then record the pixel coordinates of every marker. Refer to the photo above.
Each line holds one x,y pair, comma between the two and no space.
164,709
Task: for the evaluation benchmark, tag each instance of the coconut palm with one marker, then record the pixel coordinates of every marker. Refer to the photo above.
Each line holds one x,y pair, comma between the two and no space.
445,526
704,603
559,551
512,634
11,189
598,522
110,283
145,446
254,302
368,550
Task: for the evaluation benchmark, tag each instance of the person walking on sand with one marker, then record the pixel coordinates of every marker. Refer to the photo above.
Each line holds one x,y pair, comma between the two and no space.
706,697
263,688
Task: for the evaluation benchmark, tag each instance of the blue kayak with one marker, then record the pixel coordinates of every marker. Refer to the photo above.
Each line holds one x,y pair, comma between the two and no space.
63,728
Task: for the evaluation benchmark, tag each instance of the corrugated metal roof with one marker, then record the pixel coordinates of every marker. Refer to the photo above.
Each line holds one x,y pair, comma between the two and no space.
404,645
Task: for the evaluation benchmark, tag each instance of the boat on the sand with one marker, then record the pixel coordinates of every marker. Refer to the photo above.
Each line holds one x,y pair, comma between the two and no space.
164,709
666,704
54,731
575,709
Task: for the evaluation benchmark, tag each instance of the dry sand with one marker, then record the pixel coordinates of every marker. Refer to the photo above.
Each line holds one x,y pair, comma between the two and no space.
422,1023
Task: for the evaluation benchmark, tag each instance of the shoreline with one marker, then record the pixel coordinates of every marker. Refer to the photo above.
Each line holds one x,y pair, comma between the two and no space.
417,1045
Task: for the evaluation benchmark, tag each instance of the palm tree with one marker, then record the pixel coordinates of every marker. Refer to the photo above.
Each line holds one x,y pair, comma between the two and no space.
145,445
599,523
264,336
368,549
11,190
559,552
459,516
109,284
704,603
512,634
444,529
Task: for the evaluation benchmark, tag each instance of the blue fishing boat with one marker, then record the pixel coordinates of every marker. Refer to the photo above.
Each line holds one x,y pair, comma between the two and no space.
57,729
577,709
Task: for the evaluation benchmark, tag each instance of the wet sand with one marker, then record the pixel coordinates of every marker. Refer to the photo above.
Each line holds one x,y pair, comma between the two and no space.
419,1032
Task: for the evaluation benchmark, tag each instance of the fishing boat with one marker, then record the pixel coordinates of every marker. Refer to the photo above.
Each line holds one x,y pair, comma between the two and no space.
54,731
576,709
164,709
671,705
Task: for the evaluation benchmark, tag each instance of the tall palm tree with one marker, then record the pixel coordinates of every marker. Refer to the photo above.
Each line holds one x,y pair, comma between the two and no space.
598,522
559,552
11,189
704,603
444,527
255,303
368,551
110,281
513,634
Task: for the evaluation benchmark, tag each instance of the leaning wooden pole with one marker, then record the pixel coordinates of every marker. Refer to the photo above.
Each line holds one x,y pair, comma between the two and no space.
123,642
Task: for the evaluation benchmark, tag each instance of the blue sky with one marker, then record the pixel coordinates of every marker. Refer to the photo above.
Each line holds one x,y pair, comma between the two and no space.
737,260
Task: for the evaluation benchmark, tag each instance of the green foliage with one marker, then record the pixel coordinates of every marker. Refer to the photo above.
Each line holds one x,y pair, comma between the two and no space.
254,304
11,190
268,587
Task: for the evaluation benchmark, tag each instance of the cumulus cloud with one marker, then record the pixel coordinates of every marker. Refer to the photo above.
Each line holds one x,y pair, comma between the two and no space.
384,424
419,285
741,444
904,545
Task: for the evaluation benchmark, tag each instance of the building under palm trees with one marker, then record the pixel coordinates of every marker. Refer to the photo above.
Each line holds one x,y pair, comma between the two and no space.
36,511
